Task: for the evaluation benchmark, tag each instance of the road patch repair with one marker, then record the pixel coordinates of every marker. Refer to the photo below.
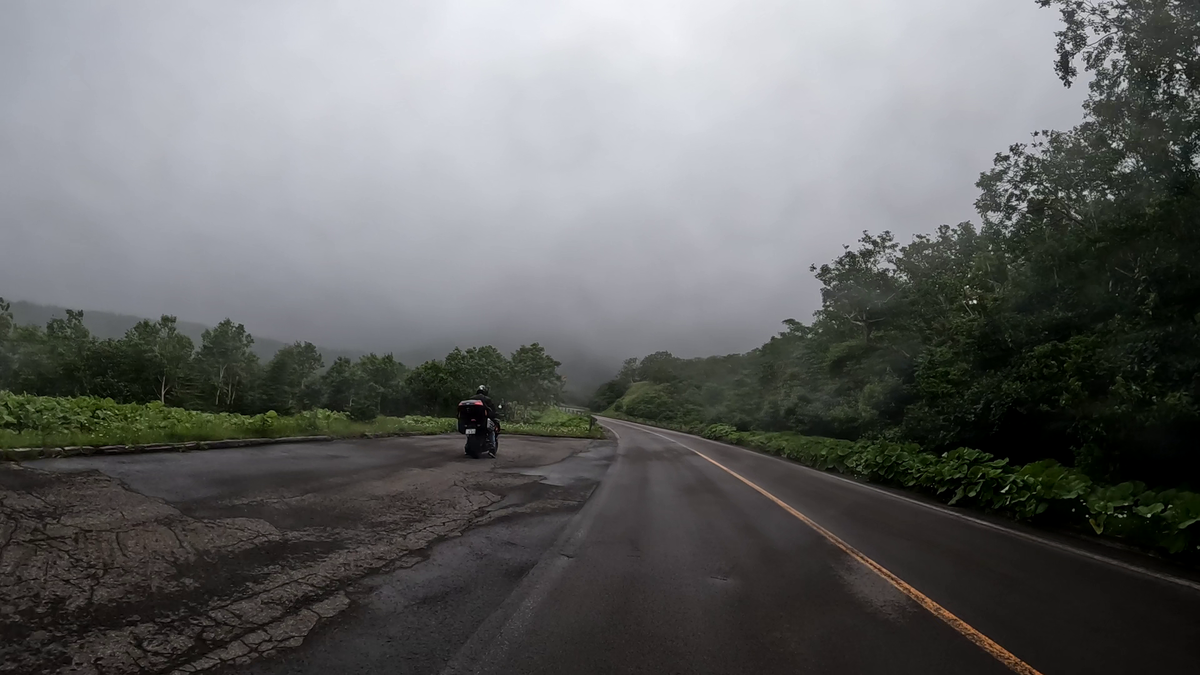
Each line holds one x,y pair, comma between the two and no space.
178,563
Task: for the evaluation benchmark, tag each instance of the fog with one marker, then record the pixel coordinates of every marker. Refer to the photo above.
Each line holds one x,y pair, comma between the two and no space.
608,177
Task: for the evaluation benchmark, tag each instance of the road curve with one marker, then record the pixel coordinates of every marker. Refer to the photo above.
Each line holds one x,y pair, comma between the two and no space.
698,557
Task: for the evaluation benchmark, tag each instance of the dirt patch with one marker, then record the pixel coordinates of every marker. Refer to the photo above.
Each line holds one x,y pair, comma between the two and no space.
96,577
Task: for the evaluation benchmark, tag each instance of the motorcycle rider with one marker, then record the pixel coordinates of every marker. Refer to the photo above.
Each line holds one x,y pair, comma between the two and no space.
481,394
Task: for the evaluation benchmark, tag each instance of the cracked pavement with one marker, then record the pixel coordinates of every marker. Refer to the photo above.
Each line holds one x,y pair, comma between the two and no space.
179,563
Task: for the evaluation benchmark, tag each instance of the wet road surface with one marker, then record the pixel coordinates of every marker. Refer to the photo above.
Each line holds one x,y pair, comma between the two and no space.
185,562
682,567
674,565
691,556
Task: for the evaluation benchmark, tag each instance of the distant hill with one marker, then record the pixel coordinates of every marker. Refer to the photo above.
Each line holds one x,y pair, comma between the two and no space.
109,325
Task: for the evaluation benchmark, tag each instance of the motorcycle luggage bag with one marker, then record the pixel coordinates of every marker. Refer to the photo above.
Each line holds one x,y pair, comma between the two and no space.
471,413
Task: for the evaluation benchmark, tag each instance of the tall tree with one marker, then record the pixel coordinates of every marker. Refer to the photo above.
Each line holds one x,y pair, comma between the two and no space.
386,373
159,355
629,371
291,382
535,379
472,367
340,384
69,345
859,287
431,389
225,361
8,360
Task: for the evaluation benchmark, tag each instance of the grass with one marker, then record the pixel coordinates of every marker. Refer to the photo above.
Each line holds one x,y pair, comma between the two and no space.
220,430
555,423
552,423
28,421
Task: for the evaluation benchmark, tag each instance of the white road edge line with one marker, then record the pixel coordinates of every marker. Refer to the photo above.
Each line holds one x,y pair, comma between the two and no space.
948,512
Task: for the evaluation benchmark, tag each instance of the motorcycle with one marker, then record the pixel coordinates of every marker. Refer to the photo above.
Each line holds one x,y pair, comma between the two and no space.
482,432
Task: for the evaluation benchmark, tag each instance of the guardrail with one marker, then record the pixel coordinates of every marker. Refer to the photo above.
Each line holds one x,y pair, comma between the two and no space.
518,412
573,410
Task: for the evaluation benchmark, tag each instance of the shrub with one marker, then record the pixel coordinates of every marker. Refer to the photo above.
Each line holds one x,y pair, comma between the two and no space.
364,409
719,432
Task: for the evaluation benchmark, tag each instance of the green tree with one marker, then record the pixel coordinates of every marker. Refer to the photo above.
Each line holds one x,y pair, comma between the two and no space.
534,376
32,371
659,367
342,383
859,288
159,355
388,374
68,350
608,394
225,362
292,381
107,369
629,371
480,366
8,360
430,389
365,408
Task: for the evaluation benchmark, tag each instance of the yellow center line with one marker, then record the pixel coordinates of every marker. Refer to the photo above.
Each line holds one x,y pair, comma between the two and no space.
965,629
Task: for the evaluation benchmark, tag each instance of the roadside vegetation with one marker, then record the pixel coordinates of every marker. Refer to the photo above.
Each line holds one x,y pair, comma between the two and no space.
552,422
1044,493
155,362
39,421
1042,363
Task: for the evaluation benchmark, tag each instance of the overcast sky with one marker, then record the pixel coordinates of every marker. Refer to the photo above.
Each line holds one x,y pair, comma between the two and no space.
616,175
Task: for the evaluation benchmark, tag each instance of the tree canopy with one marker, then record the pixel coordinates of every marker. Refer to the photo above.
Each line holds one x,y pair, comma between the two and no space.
153,361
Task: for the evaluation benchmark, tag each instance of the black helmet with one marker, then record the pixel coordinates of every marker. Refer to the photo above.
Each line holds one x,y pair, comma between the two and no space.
483,389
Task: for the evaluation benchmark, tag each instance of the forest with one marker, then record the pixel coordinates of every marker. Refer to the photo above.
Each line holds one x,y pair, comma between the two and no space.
1064,325
154,362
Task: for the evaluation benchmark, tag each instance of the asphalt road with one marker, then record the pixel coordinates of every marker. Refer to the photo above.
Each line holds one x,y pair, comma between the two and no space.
673,564
186,562
676,566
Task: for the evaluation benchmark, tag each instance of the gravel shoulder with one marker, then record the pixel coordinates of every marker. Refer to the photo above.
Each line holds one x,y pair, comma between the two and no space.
179,563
